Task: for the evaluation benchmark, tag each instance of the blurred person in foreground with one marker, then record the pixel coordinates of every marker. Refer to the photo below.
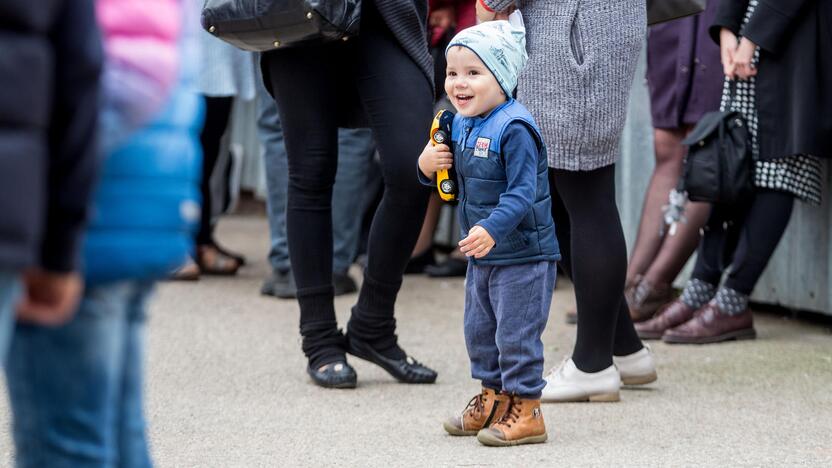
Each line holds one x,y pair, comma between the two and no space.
75,384
50,61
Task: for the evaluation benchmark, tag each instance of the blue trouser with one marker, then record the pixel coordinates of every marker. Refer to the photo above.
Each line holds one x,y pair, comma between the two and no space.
506,309
76,389
9,293
355,151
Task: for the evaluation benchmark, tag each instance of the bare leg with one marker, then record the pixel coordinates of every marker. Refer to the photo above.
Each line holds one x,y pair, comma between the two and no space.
676,249
669,155
425,240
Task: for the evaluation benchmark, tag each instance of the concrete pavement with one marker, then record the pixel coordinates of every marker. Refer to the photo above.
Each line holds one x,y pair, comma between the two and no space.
227,388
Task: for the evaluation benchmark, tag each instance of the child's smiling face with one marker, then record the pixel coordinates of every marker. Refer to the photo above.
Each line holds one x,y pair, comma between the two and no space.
470,85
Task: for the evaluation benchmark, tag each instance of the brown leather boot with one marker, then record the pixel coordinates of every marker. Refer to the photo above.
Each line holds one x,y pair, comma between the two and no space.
711,325
646,298
669,316
521,424
482,410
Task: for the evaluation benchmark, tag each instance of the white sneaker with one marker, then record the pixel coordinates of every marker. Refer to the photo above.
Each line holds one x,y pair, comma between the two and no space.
638,368
568,383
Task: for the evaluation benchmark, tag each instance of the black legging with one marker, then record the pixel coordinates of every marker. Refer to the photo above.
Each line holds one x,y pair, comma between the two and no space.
594,256
309,83
745,238
217,112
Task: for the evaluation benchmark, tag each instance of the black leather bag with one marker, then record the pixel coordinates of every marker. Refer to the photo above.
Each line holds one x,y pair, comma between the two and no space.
261,25
659,11
719,166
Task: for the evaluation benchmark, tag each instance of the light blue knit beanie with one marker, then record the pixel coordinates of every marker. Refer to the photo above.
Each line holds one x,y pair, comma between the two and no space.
501,45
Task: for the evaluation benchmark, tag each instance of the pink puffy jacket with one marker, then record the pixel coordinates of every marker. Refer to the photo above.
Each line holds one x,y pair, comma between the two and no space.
141,40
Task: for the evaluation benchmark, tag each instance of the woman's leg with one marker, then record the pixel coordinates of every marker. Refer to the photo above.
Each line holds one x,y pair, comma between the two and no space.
217,111
425,240
397,99
676,249
303,83
669,155
595,258
749,244
761,231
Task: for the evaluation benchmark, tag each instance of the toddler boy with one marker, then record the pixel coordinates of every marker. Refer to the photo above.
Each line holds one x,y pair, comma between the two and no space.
508,232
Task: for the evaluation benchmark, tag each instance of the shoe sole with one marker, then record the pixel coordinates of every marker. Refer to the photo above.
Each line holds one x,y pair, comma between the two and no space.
339,385
336,386
597,398
746,334
278,296
640,379
271,292
454,431
489,440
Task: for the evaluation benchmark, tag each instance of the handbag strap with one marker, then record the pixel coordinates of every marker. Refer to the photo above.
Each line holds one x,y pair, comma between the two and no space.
732,92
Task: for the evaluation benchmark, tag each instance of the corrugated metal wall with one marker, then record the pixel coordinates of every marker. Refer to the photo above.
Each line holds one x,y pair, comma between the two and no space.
798,274
797,277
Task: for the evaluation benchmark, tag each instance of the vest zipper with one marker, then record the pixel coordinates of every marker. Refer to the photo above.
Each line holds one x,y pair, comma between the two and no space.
466,131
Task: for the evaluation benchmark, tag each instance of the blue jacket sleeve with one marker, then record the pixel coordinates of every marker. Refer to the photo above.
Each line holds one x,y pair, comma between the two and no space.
520,153
423,178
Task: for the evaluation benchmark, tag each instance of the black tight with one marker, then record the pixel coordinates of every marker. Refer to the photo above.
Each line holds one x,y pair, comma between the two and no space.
313,85
745,238
217,112
595,258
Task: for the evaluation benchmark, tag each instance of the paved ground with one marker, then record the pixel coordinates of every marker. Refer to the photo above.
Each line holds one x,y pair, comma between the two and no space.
227,388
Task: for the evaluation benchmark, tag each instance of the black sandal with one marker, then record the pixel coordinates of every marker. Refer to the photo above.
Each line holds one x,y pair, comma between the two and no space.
238,257
212,261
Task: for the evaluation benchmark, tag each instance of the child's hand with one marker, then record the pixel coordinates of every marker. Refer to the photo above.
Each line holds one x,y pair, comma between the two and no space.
434,158
477,244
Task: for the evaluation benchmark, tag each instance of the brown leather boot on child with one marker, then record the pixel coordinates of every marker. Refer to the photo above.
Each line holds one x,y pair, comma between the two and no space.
482,410
521,424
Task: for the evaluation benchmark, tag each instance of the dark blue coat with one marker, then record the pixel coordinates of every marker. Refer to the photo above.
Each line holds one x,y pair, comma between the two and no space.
50,61
515,209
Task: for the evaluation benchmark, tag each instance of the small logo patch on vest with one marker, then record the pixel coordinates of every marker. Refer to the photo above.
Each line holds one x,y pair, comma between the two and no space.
481,148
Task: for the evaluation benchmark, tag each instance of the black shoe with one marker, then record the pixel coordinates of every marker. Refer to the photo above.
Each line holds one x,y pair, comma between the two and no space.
406,370
451,267
337,374
343,284
417,265
280,284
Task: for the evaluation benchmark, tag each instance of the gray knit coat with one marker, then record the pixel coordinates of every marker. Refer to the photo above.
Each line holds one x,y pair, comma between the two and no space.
582,58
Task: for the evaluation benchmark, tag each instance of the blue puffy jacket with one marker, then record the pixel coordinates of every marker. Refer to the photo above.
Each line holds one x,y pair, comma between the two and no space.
146,206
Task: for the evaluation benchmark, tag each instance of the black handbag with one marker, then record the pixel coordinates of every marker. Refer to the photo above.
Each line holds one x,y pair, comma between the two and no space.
262,25
719,166
659,11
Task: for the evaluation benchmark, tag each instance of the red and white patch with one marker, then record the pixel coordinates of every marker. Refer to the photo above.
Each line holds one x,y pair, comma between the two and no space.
481,147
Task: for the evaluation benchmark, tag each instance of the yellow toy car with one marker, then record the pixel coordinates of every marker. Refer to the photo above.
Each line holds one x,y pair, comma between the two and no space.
440,132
